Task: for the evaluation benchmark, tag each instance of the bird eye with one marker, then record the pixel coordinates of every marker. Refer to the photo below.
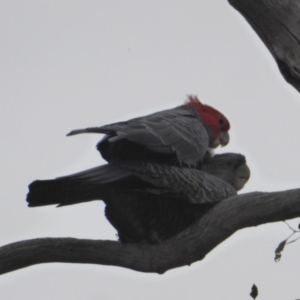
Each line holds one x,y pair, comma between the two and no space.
221,121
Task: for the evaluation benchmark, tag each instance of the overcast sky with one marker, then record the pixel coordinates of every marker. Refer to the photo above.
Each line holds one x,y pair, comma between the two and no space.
71,64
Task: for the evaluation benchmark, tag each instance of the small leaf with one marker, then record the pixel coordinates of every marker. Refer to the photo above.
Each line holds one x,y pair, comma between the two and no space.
278,250
254,291
280,247
277,258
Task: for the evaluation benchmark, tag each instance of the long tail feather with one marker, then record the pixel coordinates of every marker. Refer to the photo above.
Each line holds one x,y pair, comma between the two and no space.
87,130
61,192
92,184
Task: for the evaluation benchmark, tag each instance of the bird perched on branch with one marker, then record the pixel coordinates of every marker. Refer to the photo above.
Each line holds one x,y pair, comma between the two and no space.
148,202
179,136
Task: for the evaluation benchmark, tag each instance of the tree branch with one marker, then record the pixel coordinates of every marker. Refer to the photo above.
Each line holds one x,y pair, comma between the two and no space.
277,24
189,246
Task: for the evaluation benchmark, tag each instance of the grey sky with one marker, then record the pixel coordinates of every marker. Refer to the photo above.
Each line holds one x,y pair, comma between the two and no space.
73,64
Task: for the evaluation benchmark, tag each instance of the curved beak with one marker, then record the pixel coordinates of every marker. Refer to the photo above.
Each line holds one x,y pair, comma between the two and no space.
222,139
242,175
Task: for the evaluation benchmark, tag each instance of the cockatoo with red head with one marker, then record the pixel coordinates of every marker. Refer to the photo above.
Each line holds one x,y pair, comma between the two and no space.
179,136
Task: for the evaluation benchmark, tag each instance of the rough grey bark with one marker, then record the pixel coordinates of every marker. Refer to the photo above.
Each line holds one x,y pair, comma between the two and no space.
189,246
277,22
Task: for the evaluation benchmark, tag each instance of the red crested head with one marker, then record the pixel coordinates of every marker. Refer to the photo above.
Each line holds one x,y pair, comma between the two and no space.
210,116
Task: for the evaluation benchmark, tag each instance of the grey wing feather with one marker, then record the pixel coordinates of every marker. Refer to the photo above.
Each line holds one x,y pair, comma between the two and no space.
199,187
102,174
179,130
